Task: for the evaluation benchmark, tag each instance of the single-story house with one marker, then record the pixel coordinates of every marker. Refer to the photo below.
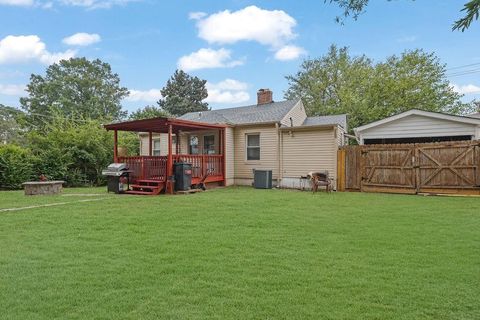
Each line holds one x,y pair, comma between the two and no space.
417,126
268,135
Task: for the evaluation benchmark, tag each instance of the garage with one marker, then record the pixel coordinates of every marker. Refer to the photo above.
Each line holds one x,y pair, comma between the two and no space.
417,126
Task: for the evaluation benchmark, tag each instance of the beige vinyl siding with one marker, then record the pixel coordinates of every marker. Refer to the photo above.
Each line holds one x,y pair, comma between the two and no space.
230,156
144,144
268,152
309,150
298,115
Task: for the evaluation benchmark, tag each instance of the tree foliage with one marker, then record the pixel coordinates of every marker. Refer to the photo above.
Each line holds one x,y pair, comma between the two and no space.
148,112
340,83
16,166
76,151
10,128
183,93
74,88
355,8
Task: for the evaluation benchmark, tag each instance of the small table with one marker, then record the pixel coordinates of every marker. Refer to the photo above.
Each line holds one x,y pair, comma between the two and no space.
42,187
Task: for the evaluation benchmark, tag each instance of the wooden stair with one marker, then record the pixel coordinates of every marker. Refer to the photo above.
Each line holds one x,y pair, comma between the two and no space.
146,187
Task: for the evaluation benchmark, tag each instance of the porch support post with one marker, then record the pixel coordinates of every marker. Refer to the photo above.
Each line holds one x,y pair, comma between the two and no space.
150,144
169,161
115,146
177,147
224,162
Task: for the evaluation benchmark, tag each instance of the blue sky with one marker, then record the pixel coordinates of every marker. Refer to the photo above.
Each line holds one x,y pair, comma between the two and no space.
237,46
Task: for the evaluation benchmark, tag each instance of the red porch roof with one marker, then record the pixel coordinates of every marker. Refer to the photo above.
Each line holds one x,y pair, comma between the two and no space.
161,124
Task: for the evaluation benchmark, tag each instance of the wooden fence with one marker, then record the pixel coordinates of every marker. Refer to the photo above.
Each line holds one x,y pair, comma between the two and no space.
446,167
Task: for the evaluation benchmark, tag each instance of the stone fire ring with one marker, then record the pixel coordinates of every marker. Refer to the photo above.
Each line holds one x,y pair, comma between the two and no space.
42,187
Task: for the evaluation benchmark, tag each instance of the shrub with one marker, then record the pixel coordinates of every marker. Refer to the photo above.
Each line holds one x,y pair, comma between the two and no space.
16,166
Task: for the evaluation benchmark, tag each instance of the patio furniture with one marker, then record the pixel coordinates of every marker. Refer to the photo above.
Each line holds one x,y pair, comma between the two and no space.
321,179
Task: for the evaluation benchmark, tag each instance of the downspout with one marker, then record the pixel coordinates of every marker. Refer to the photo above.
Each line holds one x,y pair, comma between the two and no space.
279,161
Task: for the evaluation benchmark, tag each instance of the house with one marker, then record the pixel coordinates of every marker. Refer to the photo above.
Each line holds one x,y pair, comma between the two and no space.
417,126
268,135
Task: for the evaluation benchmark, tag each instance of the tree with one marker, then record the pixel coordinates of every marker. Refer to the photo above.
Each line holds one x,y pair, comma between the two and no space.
74,88
367,91
183,93
10,129
355,8
148,112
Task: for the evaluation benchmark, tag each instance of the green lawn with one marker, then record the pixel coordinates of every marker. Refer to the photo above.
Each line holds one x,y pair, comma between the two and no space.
239,253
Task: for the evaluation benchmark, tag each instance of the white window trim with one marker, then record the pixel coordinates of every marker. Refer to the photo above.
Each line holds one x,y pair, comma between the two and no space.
204,149
259,146
159,147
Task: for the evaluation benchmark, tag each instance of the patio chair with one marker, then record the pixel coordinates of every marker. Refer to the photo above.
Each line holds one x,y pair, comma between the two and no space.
320,179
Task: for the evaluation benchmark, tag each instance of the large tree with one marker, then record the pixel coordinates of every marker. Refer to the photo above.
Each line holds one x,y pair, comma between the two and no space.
340,83
75,88
10,129
354,8
148,112
183,93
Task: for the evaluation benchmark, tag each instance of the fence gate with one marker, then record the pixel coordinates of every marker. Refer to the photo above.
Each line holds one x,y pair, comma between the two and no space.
446,167
388,168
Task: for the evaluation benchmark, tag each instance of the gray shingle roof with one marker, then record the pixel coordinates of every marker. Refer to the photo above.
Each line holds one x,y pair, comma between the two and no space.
271,112
340,119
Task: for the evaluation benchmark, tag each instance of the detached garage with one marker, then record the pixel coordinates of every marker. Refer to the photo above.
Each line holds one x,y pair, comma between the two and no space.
417,126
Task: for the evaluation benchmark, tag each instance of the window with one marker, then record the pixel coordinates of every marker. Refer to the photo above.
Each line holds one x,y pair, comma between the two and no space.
253,147
209,144
193,145
156,147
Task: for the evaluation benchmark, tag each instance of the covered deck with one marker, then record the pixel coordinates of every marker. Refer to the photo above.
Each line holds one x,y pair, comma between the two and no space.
158,170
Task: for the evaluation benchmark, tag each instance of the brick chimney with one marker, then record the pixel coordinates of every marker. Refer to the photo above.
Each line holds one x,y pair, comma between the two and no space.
264,96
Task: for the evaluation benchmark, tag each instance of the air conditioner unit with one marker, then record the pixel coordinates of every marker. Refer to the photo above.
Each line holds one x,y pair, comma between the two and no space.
262,179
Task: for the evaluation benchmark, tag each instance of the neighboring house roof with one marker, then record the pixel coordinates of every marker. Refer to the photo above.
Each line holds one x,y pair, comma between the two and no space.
264,113
340,119
474,115
436,115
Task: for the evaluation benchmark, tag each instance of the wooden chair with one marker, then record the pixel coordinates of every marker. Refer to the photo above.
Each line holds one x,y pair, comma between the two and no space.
321,179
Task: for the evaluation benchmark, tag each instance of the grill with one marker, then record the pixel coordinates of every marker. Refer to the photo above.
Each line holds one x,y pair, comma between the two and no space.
118,177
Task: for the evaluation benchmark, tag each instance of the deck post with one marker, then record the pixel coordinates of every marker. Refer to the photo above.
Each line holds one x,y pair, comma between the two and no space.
150,144
169,162
115,146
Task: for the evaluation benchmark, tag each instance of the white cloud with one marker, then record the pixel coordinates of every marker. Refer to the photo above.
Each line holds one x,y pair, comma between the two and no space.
23,3
227,91
466,89
196,15
152,95
407,39
12,89
17,49
268,27
289,52
208,58
82,39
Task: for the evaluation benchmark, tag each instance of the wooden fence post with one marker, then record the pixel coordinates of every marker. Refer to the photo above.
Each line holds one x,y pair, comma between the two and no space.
341,170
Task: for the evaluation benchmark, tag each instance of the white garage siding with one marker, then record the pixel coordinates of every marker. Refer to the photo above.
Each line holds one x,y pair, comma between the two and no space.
419,124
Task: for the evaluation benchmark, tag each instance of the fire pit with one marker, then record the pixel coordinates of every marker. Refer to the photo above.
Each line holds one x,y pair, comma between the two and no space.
42,187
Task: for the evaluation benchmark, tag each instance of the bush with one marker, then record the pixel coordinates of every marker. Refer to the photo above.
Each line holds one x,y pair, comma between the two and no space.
76,152
16,166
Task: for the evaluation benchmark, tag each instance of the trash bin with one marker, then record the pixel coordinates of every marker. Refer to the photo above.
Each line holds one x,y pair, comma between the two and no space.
183,176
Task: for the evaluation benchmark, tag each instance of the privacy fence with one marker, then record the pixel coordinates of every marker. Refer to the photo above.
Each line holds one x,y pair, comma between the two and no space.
447,167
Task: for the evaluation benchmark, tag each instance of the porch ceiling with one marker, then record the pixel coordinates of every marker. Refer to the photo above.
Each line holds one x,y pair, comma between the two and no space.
161,125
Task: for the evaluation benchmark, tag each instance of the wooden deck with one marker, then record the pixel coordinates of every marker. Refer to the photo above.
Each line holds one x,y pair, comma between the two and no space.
153,169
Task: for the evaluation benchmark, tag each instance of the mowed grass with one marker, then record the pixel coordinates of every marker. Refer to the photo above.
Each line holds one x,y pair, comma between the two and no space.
240,253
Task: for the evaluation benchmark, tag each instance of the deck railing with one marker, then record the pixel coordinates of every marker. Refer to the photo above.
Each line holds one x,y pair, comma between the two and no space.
155,167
